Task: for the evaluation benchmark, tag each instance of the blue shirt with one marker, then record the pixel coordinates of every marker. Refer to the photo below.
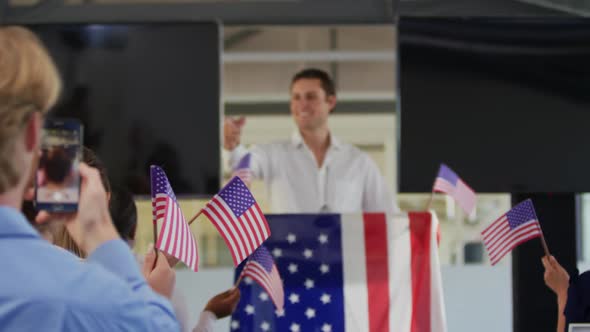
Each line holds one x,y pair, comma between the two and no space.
43,288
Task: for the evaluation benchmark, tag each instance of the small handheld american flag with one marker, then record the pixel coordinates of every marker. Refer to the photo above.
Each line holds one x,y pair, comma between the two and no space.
175,236
450,183
516,226
262,269
243,170
238,218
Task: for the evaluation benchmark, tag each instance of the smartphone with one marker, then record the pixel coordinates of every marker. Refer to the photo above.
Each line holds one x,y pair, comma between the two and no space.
57,180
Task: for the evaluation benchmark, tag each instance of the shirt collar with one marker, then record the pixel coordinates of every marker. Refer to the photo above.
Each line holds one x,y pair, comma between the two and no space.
13,222
297,140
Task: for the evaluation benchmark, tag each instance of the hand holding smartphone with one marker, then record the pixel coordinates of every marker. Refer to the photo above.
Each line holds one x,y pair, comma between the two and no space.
57,180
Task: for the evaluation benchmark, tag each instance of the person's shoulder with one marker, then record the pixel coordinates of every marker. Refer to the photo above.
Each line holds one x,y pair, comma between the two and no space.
583,279
355,154
274,146
47,273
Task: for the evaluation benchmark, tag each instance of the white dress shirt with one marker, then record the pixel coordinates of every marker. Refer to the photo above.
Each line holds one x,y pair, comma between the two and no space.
348,181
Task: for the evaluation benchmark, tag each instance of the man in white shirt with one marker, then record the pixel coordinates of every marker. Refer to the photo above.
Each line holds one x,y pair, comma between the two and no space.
313,172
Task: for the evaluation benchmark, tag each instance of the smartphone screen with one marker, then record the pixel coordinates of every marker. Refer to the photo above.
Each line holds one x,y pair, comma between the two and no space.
57,181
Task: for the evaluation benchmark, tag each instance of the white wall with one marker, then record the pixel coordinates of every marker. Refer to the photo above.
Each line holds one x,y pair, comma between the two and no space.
477,298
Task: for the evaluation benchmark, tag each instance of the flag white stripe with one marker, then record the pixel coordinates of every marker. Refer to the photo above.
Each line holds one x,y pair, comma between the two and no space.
516,241
228,218
261,220
491,229
226,234
174,231
506,234
438,322
257,272
165,234
497,237
465,196
191,249
443,185
510,241
400,272
183,252
251,223
354,273
240,234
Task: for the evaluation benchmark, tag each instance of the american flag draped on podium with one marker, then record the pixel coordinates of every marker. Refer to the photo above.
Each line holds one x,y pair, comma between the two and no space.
175,237
516,226
368,272
450,183
238,218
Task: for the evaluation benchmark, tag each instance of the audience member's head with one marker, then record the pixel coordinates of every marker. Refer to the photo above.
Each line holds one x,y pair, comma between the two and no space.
124,214
29,87
92,160
57,163
61,237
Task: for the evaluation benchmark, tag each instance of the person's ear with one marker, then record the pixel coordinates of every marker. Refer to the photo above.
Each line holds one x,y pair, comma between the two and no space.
33,132
332,102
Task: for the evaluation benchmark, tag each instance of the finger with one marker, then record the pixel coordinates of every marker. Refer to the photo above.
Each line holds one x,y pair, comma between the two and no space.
240,122
161,261
148,262
545,261
233,295
29,194
554,263
172,261
42,217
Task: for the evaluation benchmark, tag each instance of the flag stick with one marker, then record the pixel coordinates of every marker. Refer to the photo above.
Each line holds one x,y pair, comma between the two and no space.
429,204
430,201
544,243
239,280
155,228
195,217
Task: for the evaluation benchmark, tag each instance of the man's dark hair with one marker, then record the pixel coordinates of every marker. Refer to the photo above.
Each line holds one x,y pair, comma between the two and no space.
124,213
313,73
92,160
57,163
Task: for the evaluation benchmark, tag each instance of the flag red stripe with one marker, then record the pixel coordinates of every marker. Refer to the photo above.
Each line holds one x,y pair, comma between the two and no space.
444,186
216,220
491,229
250,220
239,229
509,243
230,221
183,238
420,230
174,245
193,259
375,230
496,238
257,273
249,234
213,215
514,244
507,234
266,230
167,224
271,282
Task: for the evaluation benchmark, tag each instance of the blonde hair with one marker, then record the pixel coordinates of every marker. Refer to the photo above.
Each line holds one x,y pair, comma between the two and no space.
62,238
29,82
